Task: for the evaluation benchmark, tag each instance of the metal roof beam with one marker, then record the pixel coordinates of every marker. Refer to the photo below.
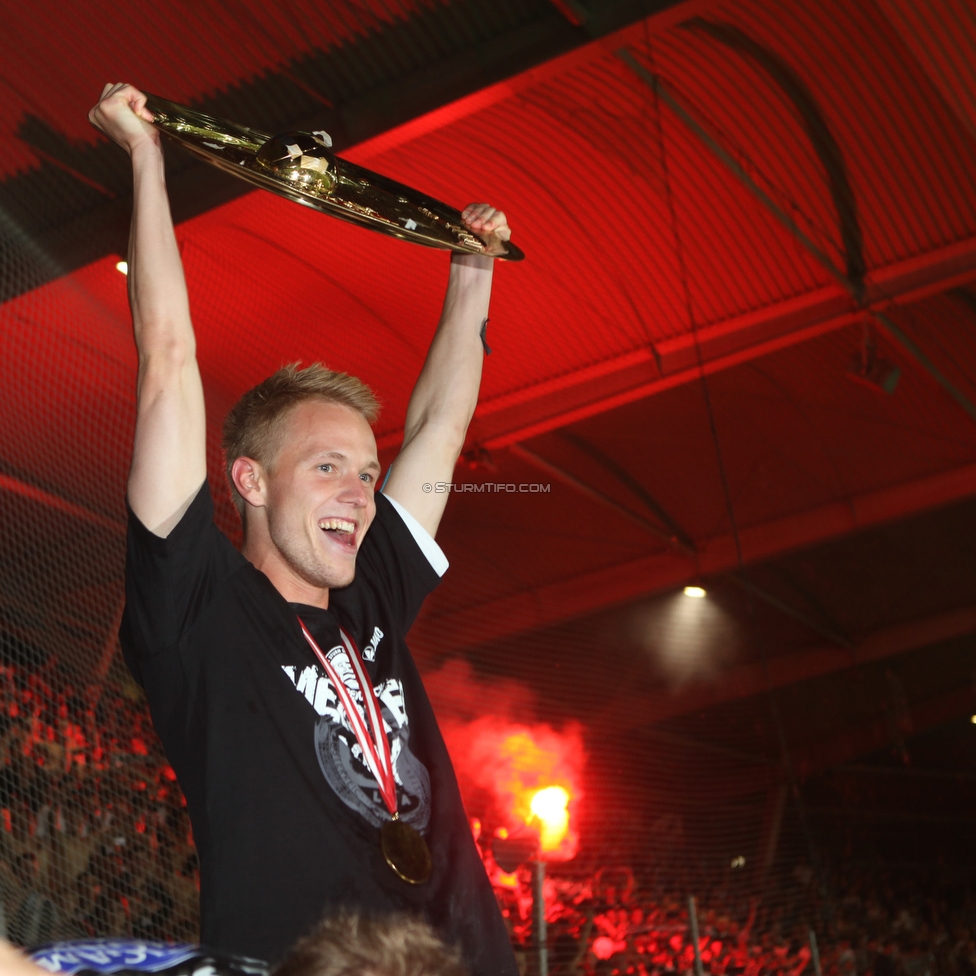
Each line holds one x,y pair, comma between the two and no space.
854,286
627,480
898,334
661,90
824,628
541,606
59,504
495,59
678,540
744,775
853,743
556,403
664,533
746,680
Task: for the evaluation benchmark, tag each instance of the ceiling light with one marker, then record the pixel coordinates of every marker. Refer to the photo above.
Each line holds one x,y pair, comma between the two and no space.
696,591
122,266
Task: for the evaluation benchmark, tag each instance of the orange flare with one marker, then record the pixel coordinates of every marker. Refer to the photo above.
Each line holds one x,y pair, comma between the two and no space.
550,805
503,766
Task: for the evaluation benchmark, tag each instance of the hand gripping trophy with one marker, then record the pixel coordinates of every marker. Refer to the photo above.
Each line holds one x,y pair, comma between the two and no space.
302,167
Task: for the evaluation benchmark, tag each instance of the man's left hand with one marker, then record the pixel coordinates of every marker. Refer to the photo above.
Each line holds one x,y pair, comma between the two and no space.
489,224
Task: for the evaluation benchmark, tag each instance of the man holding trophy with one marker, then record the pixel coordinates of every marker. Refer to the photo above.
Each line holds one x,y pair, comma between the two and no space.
278,677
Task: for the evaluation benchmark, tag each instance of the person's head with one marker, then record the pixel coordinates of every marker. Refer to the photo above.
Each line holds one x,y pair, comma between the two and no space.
301,461
349,944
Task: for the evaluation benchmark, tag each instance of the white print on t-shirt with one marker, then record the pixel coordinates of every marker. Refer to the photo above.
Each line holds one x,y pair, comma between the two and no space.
369,651
341,757
318,691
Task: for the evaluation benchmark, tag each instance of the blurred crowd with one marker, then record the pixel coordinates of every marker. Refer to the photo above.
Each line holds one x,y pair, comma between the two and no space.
850,924
94,840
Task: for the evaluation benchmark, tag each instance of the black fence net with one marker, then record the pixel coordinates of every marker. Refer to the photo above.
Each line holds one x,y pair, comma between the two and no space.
775,774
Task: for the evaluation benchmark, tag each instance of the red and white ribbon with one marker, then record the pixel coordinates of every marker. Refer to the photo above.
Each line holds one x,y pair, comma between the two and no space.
376,748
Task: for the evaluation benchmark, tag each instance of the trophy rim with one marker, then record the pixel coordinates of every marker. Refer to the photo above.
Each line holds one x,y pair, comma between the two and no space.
232,148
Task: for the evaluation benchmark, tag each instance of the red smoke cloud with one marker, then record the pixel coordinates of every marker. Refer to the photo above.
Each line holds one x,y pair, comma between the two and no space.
503,758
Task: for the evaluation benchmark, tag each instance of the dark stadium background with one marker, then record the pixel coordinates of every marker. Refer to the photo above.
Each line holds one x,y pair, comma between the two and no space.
743,221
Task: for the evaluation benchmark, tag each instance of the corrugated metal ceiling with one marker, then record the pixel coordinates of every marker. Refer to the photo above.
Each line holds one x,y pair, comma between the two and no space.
670,215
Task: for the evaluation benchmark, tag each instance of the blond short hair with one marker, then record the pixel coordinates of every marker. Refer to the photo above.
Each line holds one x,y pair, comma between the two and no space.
350,944
254,426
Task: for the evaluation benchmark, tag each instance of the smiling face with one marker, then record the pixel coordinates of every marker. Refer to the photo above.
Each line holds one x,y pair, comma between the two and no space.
318,501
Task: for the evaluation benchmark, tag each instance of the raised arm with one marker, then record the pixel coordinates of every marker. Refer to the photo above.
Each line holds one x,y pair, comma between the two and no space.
446,393
169,455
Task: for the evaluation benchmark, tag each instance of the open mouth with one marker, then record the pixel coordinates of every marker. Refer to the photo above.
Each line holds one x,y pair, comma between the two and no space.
341,530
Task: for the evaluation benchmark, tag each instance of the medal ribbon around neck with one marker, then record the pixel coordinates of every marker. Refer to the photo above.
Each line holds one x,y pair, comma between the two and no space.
375,747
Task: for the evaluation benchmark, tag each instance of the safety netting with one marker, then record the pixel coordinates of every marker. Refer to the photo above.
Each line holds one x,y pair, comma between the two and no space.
767,773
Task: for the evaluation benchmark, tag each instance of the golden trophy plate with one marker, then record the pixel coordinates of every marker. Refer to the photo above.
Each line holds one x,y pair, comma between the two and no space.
300,166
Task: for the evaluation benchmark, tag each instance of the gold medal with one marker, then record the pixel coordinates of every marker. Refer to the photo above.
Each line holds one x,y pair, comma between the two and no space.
406,851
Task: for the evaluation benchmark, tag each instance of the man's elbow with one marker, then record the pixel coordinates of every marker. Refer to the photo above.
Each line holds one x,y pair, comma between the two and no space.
446,435
165,354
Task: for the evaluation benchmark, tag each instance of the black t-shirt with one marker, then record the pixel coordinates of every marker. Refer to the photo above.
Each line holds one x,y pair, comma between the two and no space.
285,814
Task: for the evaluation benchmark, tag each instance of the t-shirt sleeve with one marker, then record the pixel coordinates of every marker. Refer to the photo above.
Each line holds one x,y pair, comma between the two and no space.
393,562
168,582
433,552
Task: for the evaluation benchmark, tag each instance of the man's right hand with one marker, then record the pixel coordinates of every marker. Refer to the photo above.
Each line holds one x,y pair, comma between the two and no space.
122,115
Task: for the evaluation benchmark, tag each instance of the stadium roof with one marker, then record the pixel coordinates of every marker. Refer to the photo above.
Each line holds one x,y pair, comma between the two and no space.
727,209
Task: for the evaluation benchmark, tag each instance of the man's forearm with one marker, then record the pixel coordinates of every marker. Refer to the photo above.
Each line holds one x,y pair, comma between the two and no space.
446,392
157,288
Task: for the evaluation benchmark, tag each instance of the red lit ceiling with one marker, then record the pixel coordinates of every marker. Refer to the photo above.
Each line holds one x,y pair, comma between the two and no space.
717,203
